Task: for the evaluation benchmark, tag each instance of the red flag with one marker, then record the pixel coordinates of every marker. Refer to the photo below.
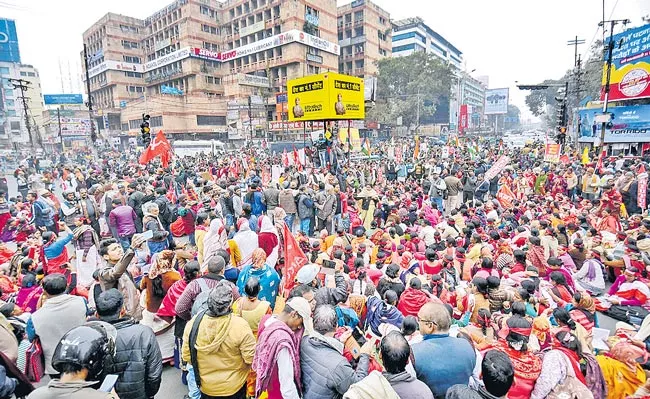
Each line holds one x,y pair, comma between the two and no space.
505,196
285,158
645,147
158,147
599,164
641,169
294,259
565,159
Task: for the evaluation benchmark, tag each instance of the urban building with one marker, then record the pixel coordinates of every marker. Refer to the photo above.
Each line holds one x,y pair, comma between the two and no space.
412,34
364,35
18,81
471,92
185,63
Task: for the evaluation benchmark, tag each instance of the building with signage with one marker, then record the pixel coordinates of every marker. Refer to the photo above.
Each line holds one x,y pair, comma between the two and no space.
412,34
13,128
183,64
471,92
364,34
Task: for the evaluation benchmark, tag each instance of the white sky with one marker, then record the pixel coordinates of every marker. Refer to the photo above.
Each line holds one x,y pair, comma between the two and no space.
508,40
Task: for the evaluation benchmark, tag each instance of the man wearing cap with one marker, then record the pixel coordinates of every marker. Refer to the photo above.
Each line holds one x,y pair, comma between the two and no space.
326,373
307,275
277,354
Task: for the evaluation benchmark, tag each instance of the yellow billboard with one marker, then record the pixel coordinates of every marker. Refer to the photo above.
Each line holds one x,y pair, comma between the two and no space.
326,96
355,140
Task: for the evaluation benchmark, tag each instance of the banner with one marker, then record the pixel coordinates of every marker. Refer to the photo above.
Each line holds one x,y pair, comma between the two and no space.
641,190
630,74
294,258
496,101
552,153
326,96
505,196
630,124
354,138
498,166
462,121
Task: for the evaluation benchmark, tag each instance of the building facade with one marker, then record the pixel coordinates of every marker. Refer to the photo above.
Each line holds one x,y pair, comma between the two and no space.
364,34
472,93
186,62
412,34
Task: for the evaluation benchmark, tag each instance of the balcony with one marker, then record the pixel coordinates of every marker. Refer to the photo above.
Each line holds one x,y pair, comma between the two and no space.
357,40
359,54
358,22
358,71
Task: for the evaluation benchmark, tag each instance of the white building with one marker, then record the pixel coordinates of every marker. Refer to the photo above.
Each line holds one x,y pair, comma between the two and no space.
412,34
13,129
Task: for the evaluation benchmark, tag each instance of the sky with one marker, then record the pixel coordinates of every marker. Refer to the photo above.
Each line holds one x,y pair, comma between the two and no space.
507,40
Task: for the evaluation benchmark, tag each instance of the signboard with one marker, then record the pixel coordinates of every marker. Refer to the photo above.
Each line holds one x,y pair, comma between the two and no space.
278,126
326,96
205,54
498,166
94,57
74,126
463,122
62,112
281,39
167,59
630,74
250,29
505,196
9,51
629,125
552,153
115,66
55,99
281,98
496,101
253,80
316,59
642,190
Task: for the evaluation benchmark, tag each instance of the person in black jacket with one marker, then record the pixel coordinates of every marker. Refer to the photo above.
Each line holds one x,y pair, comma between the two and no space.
135,202
137,360
391,281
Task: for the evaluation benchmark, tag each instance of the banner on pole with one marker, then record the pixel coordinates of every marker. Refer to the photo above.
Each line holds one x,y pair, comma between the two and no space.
552,153
505,196
642,189
498,166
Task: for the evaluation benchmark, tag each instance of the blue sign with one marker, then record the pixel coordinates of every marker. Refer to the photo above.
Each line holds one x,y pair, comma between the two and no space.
629,125
170,90
62,99
122,104
9,51
312,19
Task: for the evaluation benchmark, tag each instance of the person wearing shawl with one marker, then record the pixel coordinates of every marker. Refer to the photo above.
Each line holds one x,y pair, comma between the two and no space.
86,243
278,350
560,363
268,277
380,312
268,240
151,221
246,240
628,291
367,198
584,311
590,276
621,369
29,294
413,298
215,239
556,265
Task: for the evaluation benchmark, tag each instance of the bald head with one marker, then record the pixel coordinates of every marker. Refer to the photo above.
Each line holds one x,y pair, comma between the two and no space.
434,317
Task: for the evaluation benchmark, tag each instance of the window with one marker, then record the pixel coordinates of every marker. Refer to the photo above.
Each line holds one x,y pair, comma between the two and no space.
135,89
382,20
404,48
31,74
133,74
135,124
127,44
210,120
15,125
409,35
11,112
132,59
438,48
10,103
9,93
156,121
125,127
205,10
5,71
21,73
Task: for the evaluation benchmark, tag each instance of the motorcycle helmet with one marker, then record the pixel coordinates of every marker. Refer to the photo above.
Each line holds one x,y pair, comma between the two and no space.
87,346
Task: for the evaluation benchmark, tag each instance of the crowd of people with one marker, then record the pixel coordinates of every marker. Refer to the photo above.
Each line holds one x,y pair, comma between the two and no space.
431,272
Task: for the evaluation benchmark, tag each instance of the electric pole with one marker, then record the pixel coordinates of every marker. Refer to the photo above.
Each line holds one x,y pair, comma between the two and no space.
22,85
608,74
250,117
93,135
575,42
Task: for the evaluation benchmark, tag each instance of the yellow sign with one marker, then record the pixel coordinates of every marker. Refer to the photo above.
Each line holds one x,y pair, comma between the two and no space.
354,138
327,96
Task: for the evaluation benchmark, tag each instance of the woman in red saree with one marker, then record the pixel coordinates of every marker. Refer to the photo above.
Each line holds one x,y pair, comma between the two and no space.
561,292
535,255
413,298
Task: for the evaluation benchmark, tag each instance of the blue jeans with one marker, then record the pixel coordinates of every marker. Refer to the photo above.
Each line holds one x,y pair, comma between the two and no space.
304,225
230,221
194,391
192,239
289,221
157,246
125,241
439,202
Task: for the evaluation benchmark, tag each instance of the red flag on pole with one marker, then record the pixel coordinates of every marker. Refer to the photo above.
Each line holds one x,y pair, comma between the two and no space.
505,196
294,259
159,147
285,159
599,164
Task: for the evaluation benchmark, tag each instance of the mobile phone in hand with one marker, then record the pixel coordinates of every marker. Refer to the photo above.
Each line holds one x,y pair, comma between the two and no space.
108,383
147,235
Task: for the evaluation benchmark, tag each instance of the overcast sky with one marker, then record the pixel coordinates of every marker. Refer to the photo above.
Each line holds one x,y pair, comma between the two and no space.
508,40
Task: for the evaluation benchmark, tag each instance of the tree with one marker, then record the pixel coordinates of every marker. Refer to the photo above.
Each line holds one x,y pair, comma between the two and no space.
408,84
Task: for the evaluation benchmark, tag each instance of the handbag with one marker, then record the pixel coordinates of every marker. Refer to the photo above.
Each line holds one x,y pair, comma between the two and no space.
571,388
34,363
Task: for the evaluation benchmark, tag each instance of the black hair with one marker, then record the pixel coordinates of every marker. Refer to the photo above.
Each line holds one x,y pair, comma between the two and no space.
103,246
224,255
410,325
299,290
390,297
486,263
157,285
201,217
392,270
518,322
55,284
518,308
481,285
395,352
559,279
191,270
494,282
430,254
460,391
562,316
109,303
520,256
498,372
415,283
484,317
252,287
438,287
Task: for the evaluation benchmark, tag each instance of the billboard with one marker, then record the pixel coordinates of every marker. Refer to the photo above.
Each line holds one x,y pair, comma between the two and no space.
62,99
496,101
629,125
9,51
630,75
326,96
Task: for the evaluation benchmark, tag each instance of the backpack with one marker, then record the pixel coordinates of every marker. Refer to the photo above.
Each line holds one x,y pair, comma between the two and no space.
201,301
194,332
309,203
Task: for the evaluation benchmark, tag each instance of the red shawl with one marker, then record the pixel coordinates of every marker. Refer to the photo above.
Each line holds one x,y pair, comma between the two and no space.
573,357
168,305
536,256
411,301
267,241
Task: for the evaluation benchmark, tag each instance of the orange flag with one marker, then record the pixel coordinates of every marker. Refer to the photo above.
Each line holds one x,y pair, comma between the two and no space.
159,147
505,196
294,259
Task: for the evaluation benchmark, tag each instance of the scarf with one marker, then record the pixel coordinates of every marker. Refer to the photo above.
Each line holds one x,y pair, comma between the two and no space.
269,342
573,359
79,231
161,263
411,301
591,268
168,305
380,312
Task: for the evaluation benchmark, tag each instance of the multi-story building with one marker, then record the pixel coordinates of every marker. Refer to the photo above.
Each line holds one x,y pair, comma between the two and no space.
14,76
364,34
471,92
188,60
412,34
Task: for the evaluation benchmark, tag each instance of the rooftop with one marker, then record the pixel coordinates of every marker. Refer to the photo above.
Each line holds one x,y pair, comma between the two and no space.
407,23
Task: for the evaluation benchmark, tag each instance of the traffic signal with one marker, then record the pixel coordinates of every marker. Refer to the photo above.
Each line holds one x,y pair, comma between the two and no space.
561,119
145,131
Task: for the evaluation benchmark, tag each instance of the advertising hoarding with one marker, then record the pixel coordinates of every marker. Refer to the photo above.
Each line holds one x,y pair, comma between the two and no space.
629,125
630,74
115,66
496,101
253,80
326,96
62,99
9,51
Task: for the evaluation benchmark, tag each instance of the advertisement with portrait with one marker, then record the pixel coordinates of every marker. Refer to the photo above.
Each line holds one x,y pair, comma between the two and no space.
630,73
326,96
496,101
629,125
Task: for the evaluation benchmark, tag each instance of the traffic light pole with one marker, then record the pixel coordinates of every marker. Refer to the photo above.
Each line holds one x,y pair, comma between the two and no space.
93,135
608,74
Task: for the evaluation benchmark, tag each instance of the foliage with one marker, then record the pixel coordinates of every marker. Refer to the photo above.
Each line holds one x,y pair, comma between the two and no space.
408,83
